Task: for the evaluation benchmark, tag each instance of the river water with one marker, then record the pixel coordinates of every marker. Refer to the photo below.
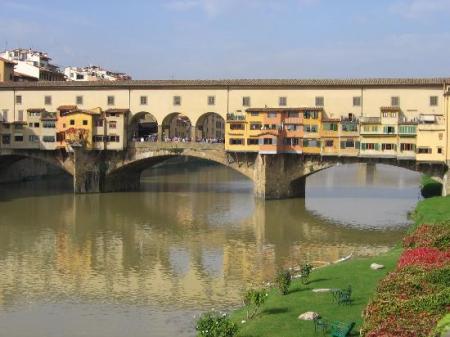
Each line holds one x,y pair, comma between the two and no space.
145,263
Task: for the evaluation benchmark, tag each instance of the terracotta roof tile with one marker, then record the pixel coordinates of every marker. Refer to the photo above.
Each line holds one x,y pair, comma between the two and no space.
139,84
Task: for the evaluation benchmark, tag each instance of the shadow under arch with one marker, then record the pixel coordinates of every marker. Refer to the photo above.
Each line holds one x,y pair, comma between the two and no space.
210,127
176,126
143,126
133,170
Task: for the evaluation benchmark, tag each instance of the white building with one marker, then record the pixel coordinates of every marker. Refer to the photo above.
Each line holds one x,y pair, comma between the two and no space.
93,73
32,65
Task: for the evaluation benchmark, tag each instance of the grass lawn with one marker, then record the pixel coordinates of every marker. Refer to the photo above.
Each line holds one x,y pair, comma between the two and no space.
432,210
279,315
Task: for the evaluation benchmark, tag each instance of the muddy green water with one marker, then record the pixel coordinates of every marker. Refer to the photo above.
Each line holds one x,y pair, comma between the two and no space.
145,263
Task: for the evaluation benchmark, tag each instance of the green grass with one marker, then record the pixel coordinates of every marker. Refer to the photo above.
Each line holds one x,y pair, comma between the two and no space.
433,210
279,315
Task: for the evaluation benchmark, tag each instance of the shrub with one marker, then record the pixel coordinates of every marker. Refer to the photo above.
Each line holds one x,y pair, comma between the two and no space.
305,271
437,236
283,281
424,257
253,300
212,324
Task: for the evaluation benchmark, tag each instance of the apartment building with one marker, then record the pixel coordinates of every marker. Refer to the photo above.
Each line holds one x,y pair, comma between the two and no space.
93,73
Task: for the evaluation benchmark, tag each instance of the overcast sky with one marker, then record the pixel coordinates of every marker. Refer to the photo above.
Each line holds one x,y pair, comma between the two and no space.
187,39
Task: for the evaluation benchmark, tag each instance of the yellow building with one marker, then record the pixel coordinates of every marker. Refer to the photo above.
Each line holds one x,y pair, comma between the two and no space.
431,139
6,70
75,127
329,134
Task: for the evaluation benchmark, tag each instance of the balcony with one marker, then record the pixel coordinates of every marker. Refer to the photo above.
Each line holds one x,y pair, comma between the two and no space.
370,120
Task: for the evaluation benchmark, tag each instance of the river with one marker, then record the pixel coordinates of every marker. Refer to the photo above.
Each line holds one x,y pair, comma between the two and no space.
146,263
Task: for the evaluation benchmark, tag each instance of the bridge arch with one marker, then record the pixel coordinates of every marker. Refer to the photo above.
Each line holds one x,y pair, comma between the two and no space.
143,126
210,127
16,165
176,126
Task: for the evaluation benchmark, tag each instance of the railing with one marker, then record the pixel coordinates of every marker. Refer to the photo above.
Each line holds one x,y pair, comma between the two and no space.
176,145
367,120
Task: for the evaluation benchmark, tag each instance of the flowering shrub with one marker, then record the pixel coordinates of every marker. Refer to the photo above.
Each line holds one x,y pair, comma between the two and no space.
424,257
212,324
254,298
411,300
437,236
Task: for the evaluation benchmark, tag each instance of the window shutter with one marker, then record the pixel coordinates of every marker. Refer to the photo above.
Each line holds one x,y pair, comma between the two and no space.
343,145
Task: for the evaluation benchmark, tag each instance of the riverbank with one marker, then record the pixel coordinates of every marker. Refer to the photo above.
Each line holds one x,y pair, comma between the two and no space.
279,316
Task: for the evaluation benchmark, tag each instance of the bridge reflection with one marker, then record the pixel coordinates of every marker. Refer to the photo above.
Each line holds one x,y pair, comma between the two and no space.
141,248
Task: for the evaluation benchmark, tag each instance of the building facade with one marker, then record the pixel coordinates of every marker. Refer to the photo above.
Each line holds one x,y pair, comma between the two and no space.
93,73
32,65
392,118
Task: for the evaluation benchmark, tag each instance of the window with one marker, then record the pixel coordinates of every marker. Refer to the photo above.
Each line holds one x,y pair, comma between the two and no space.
252,141
254,113
310,128
292,114
271,114
388,147
79,100
385,114
20,115
246,101
48,100
97,139
407,147
434,100
389,130
291,141
211,100
176,100
441,136
329,143
110,100
6,139
282,101
237,126
5,115
255,126
18,99
48,139
144,100
349,143
267,141
113,139
72,122
236,141
99,122
357,101
395,101
18,138
112,124
439,150
311,114
407,129
48,124
36,125
330,126
311,143
424,150
291,127
33,139
18,127
85,122
320,101
349,127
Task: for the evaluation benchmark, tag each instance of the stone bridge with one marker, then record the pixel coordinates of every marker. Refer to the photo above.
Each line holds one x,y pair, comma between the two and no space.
274,176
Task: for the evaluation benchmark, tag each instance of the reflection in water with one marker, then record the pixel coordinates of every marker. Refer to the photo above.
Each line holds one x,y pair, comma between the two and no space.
145,263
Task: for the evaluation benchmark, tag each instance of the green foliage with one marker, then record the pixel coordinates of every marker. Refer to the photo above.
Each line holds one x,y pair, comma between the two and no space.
283,281
212,324
432,211
305,271
253,300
